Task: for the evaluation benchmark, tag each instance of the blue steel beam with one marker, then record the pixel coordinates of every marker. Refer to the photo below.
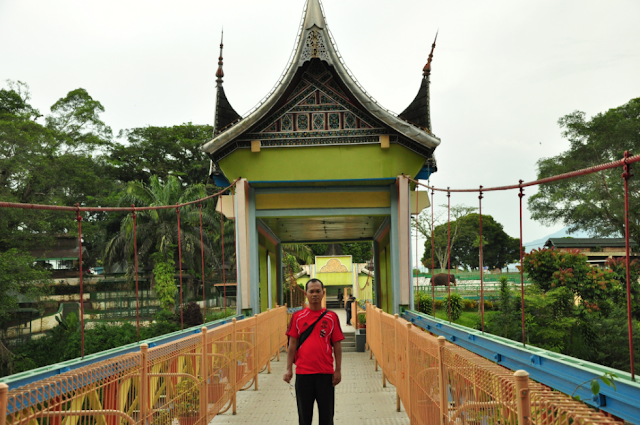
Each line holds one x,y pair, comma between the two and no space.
560,372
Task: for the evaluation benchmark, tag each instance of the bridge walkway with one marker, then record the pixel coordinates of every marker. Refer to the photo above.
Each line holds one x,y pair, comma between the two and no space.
360,398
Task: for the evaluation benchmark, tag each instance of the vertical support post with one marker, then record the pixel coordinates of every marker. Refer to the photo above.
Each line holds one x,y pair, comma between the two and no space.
270,333
256,353
396,351
449,250
417,262
135,258
243,253
521,195
144,383
233,368
442,382
626,175
404,244
4,392
79,220
523,398
433,264
205,377
481,264
180,267
279,276
407,402
224,271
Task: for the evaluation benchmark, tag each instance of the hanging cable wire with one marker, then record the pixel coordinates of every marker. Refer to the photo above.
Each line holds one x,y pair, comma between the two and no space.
79,220
135,260
180,268
204,301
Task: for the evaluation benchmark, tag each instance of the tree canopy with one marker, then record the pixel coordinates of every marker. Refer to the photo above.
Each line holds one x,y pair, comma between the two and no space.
593,202
498,247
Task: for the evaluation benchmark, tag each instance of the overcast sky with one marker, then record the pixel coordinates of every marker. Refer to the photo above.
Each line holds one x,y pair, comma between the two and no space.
504,71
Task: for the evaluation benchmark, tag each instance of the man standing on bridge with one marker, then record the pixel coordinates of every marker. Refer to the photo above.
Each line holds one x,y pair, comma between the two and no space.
312,334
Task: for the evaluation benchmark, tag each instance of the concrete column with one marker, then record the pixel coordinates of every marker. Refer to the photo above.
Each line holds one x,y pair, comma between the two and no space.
279,275
376,275
395,251
254,252
404,241
243,251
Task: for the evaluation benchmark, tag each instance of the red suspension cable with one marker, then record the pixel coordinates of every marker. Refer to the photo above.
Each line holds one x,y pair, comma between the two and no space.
521,195
449,251
180,267
204,301
626,175
481,264
433,264
416,260
79,220
135,260
224,274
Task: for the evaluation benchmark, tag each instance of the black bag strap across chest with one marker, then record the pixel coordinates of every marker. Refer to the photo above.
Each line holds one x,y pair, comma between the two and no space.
308,331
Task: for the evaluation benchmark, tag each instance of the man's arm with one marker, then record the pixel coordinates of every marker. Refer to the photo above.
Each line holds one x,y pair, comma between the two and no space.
291,354
337,351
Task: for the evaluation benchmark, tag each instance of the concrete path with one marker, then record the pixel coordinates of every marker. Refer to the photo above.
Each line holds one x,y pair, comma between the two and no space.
360,398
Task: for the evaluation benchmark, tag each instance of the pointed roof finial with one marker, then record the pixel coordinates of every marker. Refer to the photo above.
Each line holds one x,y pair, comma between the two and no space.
314,15
427,68
219,72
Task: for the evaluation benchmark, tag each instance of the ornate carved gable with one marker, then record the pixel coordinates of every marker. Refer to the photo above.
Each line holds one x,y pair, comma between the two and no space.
317,112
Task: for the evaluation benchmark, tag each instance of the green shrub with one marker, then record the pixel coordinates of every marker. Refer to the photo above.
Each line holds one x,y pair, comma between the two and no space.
423,303
438,304
469,305
454,304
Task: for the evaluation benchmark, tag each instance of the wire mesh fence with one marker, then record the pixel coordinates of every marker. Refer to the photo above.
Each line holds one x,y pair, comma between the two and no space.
442,383
190,380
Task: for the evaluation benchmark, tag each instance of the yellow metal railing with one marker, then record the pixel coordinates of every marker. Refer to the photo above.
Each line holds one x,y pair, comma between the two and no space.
191,380
440,383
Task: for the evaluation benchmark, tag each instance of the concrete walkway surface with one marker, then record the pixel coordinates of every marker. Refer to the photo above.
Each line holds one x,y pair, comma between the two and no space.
360,398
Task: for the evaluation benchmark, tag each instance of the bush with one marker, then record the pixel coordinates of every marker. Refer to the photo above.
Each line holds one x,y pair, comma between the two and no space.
192,315
439,304
454,303
423,303
469,305
220,315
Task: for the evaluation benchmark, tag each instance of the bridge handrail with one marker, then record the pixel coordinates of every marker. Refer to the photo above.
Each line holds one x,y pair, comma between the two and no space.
560,372
24,378
441,383
194,376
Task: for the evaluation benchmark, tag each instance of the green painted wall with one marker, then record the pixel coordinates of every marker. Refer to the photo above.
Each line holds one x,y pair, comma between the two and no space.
336,279
386,295
322,163
264,290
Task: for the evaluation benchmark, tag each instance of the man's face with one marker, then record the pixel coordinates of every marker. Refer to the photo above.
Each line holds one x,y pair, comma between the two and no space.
314,292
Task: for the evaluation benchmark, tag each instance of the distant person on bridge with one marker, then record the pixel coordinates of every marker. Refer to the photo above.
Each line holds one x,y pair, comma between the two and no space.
312,334
347,307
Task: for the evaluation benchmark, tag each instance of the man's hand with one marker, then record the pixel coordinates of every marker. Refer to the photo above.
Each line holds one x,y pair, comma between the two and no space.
288,375
337,377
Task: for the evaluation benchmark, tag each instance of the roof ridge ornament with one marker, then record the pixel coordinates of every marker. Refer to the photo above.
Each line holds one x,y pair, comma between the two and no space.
314,15
427,68
220,72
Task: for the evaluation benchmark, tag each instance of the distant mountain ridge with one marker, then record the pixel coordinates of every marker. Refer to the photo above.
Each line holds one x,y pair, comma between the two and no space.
539,243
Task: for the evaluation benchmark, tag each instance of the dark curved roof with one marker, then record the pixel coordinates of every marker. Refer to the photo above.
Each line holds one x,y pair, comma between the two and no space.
225,114
418,111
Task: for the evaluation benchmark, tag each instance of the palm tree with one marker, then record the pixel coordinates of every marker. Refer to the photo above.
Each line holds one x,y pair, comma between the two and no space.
157,230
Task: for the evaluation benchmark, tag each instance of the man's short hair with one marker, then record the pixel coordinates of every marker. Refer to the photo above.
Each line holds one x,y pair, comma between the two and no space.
306,286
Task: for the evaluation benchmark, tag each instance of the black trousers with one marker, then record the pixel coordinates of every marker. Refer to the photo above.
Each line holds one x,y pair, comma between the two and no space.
348,316
312,388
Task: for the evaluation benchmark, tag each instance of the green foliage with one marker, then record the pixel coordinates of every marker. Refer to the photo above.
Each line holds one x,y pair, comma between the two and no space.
192,314
362,318
220,315
162,151
188,399
20,278
608,378
454,303
424,303
593,202
360,251
164,281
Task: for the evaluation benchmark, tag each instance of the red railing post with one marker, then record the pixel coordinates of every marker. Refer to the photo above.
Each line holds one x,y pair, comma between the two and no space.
417,262
433,264
180,267
79,220
135,260
626,175
481,264
521,195
449,250
224,275
204,300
